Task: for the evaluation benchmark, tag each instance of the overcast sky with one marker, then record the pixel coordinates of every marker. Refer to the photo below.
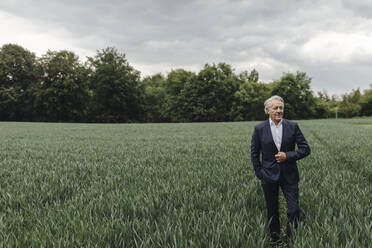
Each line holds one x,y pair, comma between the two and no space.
329,40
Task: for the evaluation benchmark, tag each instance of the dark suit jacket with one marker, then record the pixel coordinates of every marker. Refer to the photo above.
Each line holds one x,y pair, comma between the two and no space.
262,142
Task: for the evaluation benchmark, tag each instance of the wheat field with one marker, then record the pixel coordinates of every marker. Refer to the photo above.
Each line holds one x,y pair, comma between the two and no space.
175,185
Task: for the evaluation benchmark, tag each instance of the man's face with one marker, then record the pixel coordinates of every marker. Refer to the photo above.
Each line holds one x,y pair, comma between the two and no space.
276,110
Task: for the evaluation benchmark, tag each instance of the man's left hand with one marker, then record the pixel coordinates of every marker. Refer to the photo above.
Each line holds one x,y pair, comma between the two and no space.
280,157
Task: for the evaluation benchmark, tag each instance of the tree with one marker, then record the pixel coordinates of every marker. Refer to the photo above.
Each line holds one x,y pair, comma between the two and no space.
348,109
154,98
253,76
249,101
350,104
63,91
178,106
323,108
210,95
116,92
298,98
18,73
366,102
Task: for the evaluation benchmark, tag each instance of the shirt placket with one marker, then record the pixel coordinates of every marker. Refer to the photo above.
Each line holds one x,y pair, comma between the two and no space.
276,136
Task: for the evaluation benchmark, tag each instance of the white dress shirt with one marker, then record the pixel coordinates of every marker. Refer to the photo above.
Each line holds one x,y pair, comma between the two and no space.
277,132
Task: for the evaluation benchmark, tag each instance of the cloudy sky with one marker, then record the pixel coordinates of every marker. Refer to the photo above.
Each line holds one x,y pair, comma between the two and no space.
329,40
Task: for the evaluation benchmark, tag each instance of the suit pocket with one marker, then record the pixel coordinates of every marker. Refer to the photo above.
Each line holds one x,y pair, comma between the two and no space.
269,164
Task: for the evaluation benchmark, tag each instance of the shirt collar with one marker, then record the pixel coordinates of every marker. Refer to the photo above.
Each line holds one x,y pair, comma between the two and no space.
273,124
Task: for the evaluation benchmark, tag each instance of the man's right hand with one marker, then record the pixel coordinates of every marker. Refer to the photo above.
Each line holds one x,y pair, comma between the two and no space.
280,157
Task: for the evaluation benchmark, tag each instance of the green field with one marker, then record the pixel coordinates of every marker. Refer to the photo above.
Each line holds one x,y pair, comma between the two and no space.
174,185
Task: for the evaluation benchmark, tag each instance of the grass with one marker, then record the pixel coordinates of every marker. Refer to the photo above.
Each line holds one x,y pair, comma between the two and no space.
366,125
174,185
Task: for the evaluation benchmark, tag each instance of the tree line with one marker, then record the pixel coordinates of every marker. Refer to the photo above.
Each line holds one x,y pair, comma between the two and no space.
58,87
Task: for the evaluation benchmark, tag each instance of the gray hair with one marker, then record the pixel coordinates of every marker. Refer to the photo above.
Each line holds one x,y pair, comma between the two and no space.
268,102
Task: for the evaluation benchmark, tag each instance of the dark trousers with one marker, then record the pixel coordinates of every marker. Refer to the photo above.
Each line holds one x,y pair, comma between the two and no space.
290,191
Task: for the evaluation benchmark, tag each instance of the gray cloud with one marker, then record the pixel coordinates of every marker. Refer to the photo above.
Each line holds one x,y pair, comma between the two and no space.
327,39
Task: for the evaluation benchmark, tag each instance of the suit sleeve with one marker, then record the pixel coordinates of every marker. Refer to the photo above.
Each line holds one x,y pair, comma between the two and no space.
255,153
303,148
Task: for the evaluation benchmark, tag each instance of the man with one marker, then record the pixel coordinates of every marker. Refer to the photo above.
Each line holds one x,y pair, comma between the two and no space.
276,139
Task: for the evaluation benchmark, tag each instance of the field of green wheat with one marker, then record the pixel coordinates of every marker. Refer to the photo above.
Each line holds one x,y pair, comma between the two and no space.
175,185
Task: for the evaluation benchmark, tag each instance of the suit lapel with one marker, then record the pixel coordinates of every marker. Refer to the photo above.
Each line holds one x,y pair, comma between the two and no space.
284,129
269,134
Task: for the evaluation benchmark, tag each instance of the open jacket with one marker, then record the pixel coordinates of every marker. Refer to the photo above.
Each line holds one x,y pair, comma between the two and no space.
262,142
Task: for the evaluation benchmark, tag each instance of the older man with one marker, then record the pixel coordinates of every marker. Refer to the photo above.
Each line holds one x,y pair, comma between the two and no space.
276,140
